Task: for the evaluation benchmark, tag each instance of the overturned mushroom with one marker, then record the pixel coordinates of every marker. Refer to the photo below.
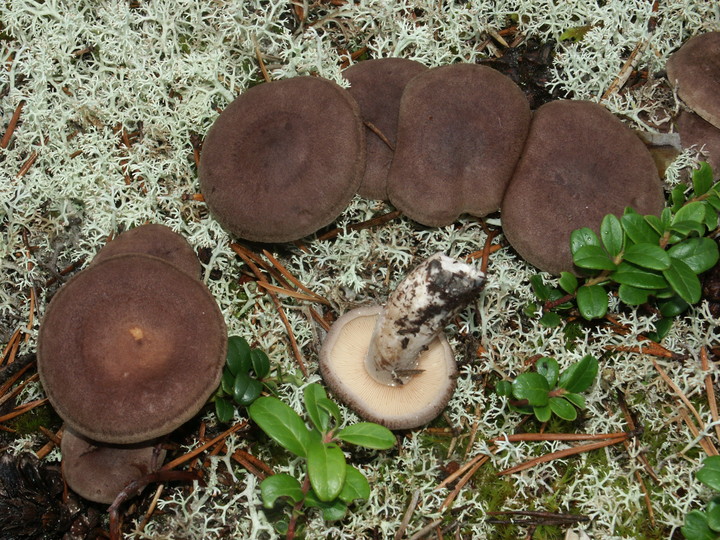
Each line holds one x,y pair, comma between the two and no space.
393,365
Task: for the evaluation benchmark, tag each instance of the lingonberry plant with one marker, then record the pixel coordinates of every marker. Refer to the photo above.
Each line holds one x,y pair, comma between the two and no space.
705,524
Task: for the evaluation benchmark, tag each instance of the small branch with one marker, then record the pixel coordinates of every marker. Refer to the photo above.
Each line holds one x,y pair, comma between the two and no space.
710,390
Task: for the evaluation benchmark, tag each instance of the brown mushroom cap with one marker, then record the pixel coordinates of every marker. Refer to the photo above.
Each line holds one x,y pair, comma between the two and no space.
695,69
99,472
157,240
377,86
284,159
579,164
694,131
130,348
460,133
342,365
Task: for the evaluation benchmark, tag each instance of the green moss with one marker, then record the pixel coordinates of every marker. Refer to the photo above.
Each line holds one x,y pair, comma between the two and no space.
31,421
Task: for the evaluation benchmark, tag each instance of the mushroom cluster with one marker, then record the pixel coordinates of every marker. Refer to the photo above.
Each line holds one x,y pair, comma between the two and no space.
286,157
694,70
129,349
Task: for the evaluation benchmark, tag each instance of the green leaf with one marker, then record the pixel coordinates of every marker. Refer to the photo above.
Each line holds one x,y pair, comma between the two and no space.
550,319
638,229
224,410
575,399
331,408
637,277
656,224
683,229
533,387
260,363
696,527
579,376
712,512
331,511
673,306
563,408
568,282
280,485
677,196
702,179
227,382
282,424
611,233
711,216
542,413
583,237
246,389
714,202
592,302
368,435
693,212
318,415
662,328
548,368
709,474
647,256
356,486
238,355
541,290
683,281
633,296
326,469
593,258
700,254
503,388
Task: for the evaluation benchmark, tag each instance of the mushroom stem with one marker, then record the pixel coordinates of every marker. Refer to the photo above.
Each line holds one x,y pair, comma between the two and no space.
416,313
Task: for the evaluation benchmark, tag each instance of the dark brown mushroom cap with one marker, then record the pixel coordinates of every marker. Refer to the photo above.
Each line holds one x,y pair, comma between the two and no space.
461,130
695,69
694,131
157,240
283,160
377,86
130,348
99,472
342,365
579,164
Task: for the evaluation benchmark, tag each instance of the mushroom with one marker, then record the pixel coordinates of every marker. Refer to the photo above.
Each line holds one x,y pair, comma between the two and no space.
283,160
393,365
377,86
154,239
695,70
460,133
99,472
130,348
694,131
579,163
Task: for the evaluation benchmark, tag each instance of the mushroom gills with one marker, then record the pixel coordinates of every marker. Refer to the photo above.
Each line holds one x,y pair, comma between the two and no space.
416,313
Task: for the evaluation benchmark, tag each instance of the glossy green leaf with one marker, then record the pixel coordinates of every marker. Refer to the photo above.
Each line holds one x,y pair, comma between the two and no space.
575,399
593,258
683,281
282,424
503,388
647,256
612,235
331,511
318,415
583,237
548,368
638,277
709,474
666,217
696,527
563,408
579,376
533,387
280,485
638,229
541,290
568,282
673,306
677,196
700,254
260,363
224,410
712,512
711,216
714,202
368,435
592,302
662,329
633,296
542,413
684,229
702,179
246,389
227,382
326,469
550,319
356,486
238,355
693,212
656,224
331,408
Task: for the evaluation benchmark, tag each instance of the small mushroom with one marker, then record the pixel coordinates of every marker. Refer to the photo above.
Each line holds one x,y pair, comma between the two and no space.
460,133
393,365
99,472
130,348
695,70
377,86
283,160
154,239
579,163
